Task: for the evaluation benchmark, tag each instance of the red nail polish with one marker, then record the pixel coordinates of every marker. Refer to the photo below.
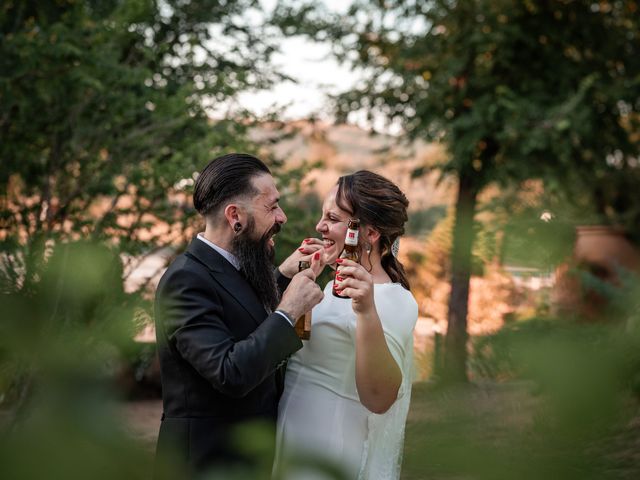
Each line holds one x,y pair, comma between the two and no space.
316,256
338,260
301,249
306,240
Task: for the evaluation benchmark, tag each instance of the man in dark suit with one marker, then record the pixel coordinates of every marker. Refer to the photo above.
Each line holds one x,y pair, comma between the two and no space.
222,327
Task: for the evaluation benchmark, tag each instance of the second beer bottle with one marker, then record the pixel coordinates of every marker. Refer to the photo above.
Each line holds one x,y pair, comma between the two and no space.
303,324
350,251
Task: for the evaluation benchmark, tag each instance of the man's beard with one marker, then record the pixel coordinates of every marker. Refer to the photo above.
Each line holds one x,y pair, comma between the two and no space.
256,262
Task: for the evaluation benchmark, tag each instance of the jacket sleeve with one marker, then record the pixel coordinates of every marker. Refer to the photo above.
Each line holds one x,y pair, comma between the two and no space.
281,281
193,320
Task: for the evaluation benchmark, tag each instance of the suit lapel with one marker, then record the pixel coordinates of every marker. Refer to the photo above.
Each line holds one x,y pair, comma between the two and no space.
229,278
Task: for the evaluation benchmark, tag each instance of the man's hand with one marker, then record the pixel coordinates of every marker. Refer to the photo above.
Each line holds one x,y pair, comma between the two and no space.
303,293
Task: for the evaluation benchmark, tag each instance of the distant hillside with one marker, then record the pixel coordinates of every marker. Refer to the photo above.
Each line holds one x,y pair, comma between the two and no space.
346,148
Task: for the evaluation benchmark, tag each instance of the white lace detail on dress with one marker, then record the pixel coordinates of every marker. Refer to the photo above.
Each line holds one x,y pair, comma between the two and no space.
382,453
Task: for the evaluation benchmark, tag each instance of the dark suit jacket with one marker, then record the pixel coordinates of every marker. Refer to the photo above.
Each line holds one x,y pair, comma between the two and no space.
219,355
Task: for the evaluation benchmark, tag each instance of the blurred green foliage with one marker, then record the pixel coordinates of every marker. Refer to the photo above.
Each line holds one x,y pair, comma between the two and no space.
504,431
613,335
531,242
68,322
58,348
551,398
422,222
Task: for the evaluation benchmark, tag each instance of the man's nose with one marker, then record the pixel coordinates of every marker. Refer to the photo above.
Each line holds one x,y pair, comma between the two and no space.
281,217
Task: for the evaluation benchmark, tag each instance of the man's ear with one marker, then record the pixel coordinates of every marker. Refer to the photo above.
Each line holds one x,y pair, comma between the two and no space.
233,214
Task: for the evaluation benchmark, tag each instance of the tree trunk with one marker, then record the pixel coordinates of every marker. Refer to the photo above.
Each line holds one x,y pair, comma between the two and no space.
455,354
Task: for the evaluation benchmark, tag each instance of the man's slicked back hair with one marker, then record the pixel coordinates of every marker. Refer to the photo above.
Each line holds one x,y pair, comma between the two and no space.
224,178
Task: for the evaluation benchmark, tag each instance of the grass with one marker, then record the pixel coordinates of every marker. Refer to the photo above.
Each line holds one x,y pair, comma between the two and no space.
497,431
486,430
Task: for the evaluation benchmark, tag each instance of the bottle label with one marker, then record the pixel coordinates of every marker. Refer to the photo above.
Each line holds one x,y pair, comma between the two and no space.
351,238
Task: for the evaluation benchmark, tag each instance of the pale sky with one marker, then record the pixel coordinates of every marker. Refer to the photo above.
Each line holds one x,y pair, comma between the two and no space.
312,65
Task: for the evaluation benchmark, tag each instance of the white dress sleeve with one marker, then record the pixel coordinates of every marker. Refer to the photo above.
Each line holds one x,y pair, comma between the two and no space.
398,312
382,453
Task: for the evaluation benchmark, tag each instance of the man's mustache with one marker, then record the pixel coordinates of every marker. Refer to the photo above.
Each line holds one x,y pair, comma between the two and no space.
274,230
269,233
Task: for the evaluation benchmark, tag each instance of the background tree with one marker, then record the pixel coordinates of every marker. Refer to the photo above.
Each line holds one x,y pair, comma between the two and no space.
516,90
105,114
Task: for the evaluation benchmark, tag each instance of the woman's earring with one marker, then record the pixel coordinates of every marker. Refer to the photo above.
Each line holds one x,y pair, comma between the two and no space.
367,248
237,227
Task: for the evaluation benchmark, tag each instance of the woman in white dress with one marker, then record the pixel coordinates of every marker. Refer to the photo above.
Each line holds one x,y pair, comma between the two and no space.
347,390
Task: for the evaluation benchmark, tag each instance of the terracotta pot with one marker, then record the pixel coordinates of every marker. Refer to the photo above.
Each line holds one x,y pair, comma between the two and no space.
601,250
605,247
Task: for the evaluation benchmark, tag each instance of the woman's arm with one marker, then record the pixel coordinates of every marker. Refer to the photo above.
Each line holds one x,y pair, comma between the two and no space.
378,376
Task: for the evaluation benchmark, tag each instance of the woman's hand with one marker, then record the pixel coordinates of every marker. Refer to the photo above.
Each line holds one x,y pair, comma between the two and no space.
289,267
357,284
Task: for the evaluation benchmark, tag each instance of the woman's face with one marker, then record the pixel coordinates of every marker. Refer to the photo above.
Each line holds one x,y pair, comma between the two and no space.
332,226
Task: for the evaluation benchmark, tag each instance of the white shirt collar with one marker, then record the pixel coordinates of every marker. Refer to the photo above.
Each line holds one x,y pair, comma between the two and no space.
233,260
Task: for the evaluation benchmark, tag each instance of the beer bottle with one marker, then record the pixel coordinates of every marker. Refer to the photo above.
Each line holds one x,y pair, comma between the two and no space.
350,251
303,324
